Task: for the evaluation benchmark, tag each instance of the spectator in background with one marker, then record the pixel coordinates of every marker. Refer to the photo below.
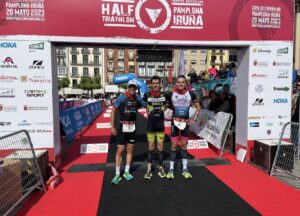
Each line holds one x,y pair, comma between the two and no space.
215,100
222,73
223,103
231,71
212,71
205,99
232,101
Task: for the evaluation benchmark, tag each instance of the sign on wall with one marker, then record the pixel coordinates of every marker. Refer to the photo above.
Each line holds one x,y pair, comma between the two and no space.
270,89
26,90
186,20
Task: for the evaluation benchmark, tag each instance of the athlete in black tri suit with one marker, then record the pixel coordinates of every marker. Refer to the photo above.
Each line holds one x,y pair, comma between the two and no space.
155,127
127,106
181,100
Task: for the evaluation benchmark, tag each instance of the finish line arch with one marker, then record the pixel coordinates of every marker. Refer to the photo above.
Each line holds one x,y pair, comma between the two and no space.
263,33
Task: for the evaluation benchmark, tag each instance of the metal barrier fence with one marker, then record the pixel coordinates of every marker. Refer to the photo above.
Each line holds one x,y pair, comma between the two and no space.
19,170
225,135
286,164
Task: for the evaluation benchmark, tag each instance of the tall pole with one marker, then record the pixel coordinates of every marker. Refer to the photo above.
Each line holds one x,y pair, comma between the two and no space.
164,77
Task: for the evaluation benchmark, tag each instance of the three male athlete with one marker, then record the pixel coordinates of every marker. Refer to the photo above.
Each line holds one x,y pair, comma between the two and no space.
127,106
156,102
181,100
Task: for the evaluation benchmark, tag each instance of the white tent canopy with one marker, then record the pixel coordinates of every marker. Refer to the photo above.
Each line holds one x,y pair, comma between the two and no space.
70,91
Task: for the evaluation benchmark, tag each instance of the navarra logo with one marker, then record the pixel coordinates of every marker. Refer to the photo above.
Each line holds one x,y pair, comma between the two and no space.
8,62
8,45
23,78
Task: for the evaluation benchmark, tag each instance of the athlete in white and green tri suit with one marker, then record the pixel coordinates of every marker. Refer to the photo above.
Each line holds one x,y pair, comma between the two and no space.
155,127
181,100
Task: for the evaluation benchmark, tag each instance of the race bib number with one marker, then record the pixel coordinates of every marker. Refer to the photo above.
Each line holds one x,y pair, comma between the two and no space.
180,124
128,128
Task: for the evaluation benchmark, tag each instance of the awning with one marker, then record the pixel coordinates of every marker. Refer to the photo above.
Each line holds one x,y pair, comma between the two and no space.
70,91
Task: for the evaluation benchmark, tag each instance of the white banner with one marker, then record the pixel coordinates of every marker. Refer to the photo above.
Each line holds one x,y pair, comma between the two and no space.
202,119
103,125
270,87
26,90
197,144
106,115
211,126
93,148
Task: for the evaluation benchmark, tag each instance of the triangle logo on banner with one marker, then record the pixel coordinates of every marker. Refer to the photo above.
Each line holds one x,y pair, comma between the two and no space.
153,14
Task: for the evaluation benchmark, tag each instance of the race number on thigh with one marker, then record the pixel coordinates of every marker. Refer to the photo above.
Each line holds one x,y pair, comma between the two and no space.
180,124
128,128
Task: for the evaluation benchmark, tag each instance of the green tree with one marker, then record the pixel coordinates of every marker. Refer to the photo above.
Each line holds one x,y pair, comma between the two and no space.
88,83
96,83
63,83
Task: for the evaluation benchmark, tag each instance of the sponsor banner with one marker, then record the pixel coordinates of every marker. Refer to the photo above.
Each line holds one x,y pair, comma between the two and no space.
103,125
197,144
68,124
106,115
74,119
211,126
185,20
203,117
26,89
266,99
94,148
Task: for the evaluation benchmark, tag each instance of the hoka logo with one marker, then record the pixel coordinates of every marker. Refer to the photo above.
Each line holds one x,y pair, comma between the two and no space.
8,45
280,100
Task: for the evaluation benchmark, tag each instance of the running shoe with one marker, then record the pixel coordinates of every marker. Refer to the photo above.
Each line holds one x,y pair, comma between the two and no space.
170,174
127,176
162,172
186,174
116,179
148,174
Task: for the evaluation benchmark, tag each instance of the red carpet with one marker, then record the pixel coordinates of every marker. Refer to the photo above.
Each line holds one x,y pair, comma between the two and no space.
79,193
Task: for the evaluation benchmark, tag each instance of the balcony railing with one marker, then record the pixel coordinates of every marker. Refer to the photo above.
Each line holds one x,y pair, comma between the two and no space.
85,51
75,75
74,52
61,54
97,52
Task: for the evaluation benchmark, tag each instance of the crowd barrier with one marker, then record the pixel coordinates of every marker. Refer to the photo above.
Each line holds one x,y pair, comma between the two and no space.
75,119
286,164
20,172
211,84
68,104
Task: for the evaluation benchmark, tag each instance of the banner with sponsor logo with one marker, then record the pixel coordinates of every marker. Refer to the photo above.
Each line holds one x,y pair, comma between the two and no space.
214,129
26,90
211,126
270,89
203,117
185,20
75,119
